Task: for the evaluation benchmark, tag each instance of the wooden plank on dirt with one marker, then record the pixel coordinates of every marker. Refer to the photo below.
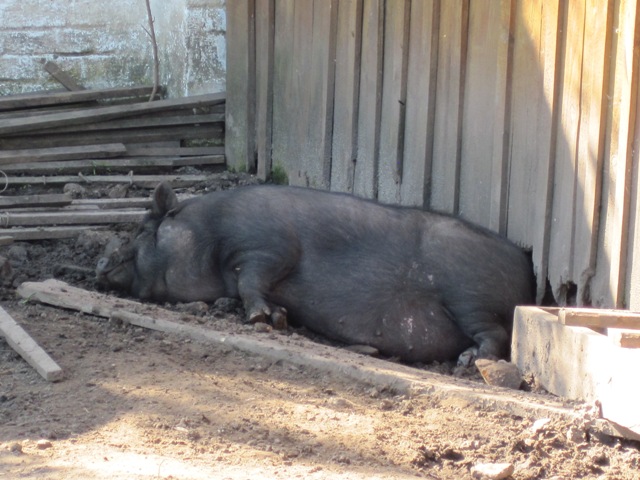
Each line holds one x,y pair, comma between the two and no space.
62,153
447,141
345,111
147,181
44,200
265,24
590,158
365,175
394,99
421,84
599,318
93,217
46,233
63,77
28,349
102,114
110,166
38,100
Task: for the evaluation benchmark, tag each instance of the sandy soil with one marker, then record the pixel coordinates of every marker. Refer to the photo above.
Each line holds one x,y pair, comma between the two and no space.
138,404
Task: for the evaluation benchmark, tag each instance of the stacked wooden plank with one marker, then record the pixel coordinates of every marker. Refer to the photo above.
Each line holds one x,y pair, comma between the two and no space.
77,132
98,136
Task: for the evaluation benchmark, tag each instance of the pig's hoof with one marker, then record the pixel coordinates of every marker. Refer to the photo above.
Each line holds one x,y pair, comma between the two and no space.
258,315
467,357
279,318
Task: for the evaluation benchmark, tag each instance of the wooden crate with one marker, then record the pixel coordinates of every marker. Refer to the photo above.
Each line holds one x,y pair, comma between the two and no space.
583,354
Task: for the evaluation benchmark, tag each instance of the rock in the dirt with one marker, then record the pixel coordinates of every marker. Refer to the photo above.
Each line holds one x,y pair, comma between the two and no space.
15,448
18,254
119,191
500,373
492,471
262,327
43,444
74,190
539,425
364,350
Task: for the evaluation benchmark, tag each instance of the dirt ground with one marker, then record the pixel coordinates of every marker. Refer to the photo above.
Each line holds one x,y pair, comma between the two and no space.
139,404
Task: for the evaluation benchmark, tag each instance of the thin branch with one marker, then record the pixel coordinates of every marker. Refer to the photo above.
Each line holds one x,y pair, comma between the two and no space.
156,62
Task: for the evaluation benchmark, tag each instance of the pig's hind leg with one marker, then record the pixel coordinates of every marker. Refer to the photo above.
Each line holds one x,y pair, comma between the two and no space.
256,279
490,337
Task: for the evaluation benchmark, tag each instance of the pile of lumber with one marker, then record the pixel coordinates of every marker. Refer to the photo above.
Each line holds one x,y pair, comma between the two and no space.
115,135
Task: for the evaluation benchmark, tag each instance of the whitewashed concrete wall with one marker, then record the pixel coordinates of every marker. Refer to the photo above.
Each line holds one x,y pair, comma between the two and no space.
104,44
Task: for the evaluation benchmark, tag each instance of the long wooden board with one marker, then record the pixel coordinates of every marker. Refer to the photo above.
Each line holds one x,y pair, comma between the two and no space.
101,114
147,181
12,102
62,153
27,348
599,318
95,217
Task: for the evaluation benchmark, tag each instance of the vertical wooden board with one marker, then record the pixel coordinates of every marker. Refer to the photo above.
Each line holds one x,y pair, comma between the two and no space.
421,82
365,181
591,143
265,32
347,84
608,287
632,290
527,105
240,105
483,111
546,135
394,98
563,207
452,57
283,86
303,143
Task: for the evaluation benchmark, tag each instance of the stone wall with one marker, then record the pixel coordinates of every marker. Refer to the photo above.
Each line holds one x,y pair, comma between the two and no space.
104,44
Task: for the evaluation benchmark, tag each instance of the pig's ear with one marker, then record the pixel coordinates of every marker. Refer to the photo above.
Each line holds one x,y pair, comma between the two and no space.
164,200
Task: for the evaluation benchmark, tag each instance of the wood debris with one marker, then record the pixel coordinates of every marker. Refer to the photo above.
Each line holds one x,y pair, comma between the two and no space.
27,348
99,136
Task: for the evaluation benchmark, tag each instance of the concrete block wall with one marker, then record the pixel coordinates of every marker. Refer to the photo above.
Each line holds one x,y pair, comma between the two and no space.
104,44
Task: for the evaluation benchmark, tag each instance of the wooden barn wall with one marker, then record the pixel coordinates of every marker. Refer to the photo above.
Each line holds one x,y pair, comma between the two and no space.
519,115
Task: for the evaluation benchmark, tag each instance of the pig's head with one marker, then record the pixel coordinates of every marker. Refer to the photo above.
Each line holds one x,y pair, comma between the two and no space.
138,267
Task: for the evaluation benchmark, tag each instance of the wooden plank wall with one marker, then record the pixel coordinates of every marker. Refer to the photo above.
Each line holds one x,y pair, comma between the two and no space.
519,115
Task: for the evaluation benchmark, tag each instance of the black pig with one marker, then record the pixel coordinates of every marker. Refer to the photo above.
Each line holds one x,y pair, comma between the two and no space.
413,284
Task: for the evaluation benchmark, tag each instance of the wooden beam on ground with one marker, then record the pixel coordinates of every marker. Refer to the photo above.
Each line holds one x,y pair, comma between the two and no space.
11,102
146,181
62,153
45,200
102,114
599,318
92,217
45,233
27,348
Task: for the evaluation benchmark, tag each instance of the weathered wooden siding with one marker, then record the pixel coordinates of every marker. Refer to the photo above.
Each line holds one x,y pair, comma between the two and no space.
519,115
